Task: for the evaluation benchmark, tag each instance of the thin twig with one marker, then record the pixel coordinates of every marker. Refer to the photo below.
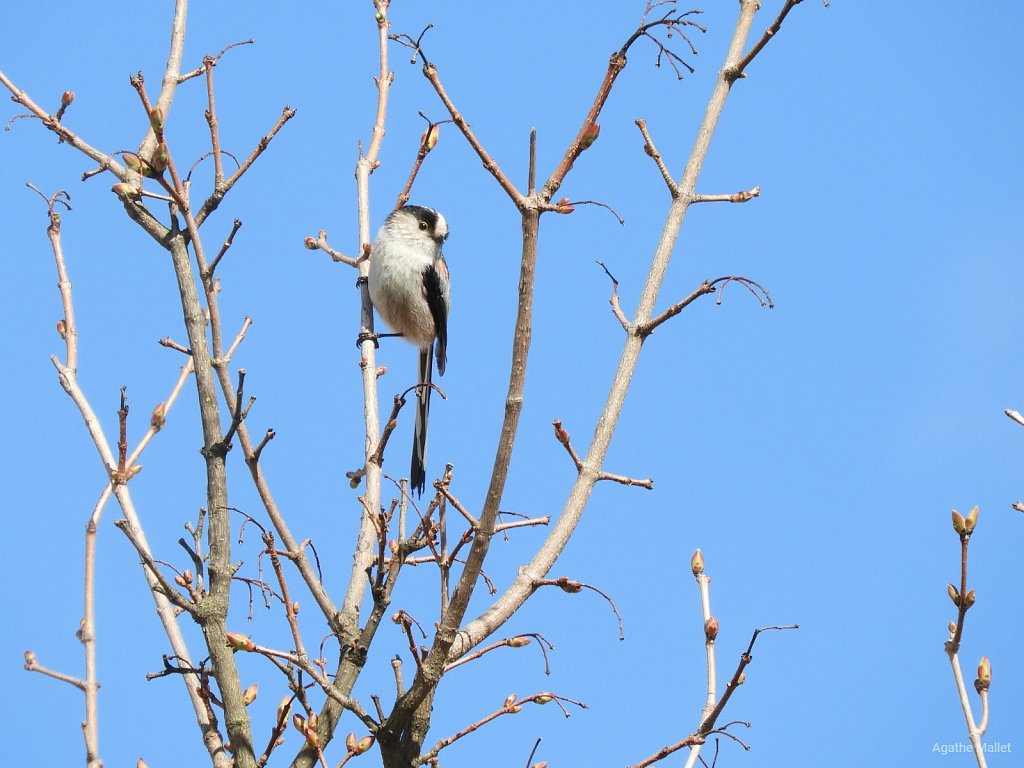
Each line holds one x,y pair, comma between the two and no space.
224,247
739,69
319,243
743,196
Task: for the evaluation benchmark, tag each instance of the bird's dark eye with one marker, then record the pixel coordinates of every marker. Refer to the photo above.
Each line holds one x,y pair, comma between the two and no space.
424,226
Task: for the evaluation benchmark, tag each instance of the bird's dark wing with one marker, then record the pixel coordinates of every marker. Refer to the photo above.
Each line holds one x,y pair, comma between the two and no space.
435,285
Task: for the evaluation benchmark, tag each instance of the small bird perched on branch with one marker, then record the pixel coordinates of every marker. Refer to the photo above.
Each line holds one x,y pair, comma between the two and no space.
409,286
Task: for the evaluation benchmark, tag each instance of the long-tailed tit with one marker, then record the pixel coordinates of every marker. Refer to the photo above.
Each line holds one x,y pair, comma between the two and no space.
409,286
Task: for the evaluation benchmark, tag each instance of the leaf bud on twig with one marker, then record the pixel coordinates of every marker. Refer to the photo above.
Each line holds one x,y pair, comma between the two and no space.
133,161
156,420
544,698
958,523
30,658
590,134
969,598
984,674
250,693
312,738
518,642
310,243
509,700
125,191
66,98
283,708
971,520
350,742
697,562
567,585
62,329
363,744
239,642
429,139
953,594
158,163
156,119
711,628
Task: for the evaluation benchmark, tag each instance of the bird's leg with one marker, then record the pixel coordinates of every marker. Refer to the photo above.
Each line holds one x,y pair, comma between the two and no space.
360,281
374,338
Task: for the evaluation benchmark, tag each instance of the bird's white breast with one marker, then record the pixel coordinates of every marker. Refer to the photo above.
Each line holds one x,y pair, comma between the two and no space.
396,289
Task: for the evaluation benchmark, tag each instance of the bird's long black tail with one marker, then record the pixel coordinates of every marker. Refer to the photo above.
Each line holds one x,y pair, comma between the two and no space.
418,472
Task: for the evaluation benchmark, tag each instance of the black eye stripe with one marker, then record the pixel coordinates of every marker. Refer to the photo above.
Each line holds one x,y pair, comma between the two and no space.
425,216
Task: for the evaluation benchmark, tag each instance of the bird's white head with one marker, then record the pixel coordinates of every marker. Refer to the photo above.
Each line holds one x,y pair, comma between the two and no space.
418,225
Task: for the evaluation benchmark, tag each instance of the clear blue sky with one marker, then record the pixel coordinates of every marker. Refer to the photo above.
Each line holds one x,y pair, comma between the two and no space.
812,451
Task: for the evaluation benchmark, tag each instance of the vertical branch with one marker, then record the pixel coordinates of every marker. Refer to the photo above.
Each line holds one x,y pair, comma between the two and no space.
68,329
963,599
214,611
346,621
444,562
363,554
572,511
531,179
410,715
87,635
211,117
710,633
704,585
172,72
68,378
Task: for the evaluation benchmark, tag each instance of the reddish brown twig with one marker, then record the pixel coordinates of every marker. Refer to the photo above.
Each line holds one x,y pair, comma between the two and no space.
492,167
319,243
427,142
708,286
563,437
201,69
707,726
769,34
963,599
614,300
654,154
215,198
33,665
519,641
236,225
648,328
572,587
743,196
511,706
